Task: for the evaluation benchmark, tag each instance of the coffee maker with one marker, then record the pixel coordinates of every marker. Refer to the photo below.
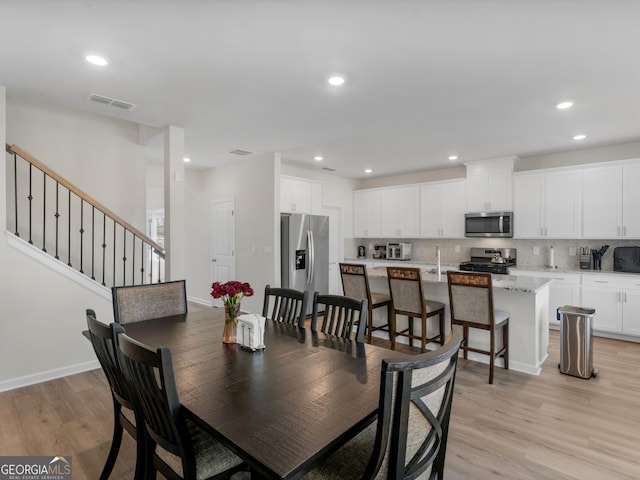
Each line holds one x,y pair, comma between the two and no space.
362,252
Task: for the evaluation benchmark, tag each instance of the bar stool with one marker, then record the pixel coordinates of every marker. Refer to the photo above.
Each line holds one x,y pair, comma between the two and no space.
355,284
471,297
407,298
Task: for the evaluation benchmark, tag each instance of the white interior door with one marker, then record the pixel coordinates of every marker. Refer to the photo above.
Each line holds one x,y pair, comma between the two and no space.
223,243
335,247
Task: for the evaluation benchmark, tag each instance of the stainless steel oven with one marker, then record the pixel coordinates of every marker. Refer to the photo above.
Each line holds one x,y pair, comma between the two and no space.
488,224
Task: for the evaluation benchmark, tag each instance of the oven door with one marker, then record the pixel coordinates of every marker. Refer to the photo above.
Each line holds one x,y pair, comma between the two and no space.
489,224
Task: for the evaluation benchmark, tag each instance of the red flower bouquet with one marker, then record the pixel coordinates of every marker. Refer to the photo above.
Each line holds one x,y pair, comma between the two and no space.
231,292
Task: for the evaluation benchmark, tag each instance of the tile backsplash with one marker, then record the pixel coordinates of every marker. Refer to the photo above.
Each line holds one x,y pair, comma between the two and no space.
454,251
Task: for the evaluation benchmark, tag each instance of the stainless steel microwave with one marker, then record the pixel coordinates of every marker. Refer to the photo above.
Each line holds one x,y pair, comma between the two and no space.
488,224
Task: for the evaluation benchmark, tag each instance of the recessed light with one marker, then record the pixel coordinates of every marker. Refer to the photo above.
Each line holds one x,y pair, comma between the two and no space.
186,159
97,60
336,81
368,170
581,136
453,157
564,105
318,158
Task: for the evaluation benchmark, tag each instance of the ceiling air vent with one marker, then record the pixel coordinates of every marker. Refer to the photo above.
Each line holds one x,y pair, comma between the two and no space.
329,169
94,97
238,151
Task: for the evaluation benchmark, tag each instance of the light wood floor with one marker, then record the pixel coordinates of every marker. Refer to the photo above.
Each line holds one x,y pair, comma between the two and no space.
523,427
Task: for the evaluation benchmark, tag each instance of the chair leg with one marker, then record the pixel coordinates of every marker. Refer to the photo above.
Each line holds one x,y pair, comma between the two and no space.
369,324
505,343
423,340
465,339
492,354
410,325
389,319
392,329
442,333
115,443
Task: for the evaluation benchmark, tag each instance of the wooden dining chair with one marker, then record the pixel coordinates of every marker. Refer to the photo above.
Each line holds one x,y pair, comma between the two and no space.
471,301
137,303
409,438
407,298
285,305
340,316
355,284
125,414
177,446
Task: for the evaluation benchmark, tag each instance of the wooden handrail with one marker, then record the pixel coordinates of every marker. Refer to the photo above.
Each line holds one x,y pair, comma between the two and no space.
14,149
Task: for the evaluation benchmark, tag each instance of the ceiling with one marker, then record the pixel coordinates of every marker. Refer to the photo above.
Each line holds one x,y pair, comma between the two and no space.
425,79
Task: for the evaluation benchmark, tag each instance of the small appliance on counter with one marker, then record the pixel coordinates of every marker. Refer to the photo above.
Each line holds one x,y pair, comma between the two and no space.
491,260
379,252
626,259
398,251
585,258
362,252
597,257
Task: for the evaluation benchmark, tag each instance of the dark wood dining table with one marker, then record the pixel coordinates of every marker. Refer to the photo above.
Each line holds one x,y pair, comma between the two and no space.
280,409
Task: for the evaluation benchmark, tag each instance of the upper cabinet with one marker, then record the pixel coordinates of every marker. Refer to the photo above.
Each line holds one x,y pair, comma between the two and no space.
611,200
298,195
490,185
399,212
366,213
548,204
442,209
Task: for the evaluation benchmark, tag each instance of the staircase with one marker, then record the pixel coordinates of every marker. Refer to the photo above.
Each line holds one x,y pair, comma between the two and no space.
50,213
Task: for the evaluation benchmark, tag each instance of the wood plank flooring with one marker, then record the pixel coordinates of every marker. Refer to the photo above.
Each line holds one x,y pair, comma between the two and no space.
549,427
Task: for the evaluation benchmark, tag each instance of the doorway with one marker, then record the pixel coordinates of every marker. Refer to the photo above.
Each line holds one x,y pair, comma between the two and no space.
335,247
223,265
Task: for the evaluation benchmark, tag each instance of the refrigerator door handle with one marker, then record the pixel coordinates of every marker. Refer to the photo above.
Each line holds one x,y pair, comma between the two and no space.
312,257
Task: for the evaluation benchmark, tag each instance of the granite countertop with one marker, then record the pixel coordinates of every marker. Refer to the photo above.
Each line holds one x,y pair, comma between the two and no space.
511,283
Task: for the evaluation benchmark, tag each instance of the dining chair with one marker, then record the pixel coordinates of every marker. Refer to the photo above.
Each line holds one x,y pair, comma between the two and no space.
340,316
177,446
471,301
355,284
126,416
285,305
137,303
409,438
407,298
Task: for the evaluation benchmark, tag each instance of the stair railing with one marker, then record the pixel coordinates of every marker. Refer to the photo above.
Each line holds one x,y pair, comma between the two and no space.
58,217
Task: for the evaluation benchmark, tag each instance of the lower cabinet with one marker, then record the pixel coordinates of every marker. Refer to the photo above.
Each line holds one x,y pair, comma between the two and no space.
616,300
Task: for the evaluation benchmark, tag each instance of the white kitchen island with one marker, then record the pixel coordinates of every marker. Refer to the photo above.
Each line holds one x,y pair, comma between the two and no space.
525,298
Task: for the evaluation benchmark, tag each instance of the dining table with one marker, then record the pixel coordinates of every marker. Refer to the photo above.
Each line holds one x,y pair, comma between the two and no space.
281,409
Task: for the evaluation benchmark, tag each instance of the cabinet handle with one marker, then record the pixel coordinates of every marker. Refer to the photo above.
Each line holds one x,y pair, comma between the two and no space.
624,231
618,299
618,230
625,297
600,281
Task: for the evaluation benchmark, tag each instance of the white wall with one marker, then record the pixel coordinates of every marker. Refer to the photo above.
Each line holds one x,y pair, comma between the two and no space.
251,183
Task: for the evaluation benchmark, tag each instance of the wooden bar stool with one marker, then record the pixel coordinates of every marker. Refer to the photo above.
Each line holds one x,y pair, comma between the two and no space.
407,298
355,284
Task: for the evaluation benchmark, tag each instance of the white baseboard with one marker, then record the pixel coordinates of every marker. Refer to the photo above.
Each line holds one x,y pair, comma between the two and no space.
48,375
199,301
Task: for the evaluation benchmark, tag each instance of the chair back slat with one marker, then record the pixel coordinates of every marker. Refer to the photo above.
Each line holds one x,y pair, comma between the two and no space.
340,316
413,415
145,302
285,305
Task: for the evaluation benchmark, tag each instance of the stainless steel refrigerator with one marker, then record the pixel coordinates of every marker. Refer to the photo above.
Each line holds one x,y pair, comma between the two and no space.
304,253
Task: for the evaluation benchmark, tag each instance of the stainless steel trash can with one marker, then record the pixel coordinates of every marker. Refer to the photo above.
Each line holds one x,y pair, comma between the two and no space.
576,355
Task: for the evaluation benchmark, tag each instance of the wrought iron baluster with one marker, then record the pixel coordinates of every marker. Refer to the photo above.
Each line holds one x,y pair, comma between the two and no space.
44,213
124,256
158,253
30,197
104,247
15,189
114,254
142,262
133,259
57,215
81,234
69,231
93,242
150,264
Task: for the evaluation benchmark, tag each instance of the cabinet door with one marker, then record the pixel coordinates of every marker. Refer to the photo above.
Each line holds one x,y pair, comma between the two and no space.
528,205
286,202
477,188
631,201
301,196
408,212
430,210
453,202
602,202
366,213
607,302
563,204
500,189
389,206
561,294
631,312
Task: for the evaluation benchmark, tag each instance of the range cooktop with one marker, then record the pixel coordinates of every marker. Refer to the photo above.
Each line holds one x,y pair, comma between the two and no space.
490,260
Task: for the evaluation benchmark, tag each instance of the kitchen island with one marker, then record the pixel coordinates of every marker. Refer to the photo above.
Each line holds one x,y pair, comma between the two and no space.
525,298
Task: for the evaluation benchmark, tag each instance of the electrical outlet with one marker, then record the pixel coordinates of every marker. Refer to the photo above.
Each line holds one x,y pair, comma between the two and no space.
572,251
536,250
457,248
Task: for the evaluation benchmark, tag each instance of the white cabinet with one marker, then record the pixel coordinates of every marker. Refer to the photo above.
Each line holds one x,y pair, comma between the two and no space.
366,213
399,212
299,195
611,200
490,185
548,204
616,299
442,208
